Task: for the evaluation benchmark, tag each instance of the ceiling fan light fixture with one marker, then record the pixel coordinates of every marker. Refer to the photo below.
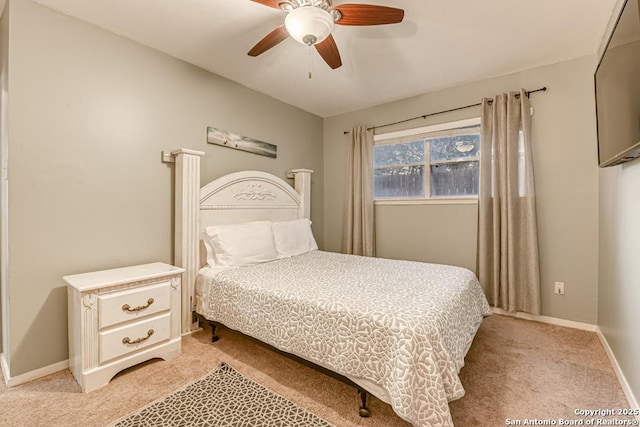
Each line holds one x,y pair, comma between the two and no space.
309,25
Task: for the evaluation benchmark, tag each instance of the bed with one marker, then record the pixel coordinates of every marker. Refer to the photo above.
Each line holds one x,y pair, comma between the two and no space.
396,329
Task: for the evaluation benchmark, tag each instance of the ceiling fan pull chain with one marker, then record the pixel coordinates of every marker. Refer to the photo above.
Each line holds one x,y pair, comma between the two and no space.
310,62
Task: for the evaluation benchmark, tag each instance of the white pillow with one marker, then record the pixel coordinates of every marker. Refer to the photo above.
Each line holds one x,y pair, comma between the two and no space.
293,237
239,244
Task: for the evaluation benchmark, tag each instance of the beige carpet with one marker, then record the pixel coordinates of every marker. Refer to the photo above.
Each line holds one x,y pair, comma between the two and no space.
515,369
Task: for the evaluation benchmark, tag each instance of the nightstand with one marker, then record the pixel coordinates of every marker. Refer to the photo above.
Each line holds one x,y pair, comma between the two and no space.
121,317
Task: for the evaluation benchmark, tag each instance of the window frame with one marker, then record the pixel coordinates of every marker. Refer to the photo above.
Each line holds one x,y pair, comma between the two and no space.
391,138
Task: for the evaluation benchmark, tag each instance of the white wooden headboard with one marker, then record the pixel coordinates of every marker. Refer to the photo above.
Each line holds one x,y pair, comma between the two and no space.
249,196
235,198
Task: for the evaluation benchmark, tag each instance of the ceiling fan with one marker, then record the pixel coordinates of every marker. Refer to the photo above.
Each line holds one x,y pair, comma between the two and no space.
310,22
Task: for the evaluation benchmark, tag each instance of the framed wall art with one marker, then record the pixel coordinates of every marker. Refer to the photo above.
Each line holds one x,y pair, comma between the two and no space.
231,140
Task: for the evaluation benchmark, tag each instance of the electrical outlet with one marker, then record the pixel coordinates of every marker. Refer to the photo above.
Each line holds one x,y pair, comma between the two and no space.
559,289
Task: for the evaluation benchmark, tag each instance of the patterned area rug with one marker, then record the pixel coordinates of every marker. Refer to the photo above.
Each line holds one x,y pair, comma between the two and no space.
223,398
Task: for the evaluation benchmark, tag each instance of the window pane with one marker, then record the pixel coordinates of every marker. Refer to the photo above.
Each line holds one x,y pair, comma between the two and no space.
398,182
398,154
455,147
455,179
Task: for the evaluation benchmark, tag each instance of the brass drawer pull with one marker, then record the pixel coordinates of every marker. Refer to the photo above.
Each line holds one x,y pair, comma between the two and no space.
128,308
127,340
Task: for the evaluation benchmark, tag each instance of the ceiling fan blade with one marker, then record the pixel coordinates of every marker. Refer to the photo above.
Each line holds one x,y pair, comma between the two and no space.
329,52
270,40
272,3
368,14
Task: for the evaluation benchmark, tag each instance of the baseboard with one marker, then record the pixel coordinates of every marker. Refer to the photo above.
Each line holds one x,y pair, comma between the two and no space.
633,402
31,375
193,331
5,367
547,319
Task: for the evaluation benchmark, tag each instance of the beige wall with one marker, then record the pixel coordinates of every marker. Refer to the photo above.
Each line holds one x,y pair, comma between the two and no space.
566,178
452,242
89,115
4,91
618,254
619,269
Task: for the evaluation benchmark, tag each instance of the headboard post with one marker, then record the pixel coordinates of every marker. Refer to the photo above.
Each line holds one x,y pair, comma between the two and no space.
187,212
302,184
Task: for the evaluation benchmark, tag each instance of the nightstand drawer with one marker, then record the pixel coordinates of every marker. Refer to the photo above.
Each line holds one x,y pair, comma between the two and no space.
126,339
130,304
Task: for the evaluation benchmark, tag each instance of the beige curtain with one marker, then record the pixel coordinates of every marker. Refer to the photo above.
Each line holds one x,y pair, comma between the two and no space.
508,263
358,237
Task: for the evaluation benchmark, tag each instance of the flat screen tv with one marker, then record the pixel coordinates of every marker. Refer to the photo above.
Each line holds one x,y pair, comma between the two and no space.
617,82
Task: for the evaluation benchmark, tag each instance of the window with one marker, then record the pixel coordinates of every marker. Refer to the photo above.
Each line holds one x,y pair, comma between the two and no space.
434,162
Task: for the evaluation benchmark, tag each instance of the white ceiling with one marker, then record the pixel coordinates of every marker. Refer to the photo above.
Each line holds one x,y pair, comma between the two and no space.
439,44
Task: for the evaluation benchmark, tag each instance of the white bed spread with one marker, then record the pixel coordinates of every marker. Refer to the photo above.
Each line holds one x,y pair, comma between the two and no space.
405,326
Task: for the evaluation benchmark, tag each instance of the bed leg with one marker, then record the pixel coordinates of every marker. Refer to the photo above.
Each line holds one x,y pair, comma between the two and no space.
363,411
214,337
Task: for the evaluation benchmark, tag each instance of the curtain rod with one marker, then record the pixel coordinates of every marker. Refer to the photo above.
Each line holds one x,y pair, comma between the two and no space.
346,132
